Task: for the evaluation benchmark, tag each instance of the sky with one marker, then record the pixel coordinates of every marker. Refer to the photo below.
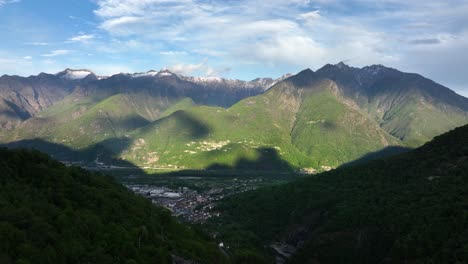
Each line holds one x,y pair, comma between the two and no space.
242,39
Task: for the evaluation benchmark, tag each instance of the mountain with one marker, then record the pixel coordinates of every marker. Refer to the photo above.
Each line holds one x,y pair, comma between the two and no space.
206,91
313,121
221,83
410,208
303,119
71,74
409,106
23,98
51,213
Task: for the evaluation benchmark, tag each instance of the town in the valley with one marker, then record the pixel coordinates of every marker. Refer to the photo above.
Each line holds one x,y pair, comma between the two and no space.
191,205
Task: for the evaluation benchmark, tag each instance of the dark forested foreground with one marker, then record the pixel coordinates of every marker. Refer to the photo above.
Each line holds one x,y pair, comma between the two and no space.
53,214
411,208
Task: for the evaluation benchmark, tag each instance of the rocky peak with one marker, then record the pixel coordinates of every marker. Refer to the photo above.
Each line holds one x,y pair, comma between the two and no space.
165,72
341,65
71,74
303,78
375,69
153,73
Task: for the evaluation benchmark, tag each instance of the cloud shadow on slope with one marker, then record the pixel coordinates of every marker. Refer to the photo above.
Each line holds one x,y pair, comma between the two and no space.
130,123
14,111
104,152
181,123
268,160
379,154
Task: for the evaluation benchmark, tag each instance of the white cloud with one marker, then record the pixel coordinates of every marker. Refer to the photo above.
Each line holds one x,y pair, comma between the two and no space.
107,69
294,50
126,25
37,43
310,16
4,2
245,31
173,53
27,57
55,53
81,38
200,69
425,36
119,8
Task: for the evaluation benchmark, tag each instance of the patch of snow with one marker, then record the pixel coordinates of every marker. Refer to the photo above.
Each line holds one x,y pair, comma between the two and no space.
165,74
152,73
75,74
145,74
206,79
102,77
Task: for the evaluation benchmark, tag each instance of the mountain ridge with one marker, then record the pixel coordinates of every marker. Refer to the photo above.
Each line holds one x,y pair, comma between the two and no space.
314,120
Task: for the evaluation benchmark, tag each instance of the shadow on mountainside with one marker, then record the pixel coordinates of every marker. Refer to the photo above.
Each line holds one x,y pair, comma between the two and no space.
196,128
103,152
15,111
181,123
130,123
379,154
268,160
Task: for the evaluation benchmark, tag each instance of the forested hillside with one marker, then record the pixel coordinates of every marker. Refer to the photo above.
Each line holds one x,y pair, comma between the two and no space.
50,213
411,208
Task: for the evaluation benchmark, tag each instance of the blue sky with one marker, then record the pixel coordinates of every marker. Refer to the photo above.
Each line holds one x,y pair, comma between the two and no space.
241,39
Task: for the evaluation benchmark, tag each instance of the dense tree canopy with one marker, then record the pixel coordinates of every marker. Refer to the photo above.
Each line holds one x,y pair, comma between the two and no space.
50,213
411,208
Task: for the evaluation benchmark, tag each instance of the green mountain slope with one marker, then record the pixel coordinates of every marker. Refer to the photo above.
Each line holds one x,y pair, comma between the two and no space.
50,213
80,122
312,121
332,129
406,105
202,136
308,126
411,208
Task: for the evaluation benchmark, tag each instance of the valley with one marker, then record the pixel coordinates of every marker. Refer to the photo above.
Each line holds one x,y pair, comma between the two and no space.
233,132
310,121
193,198
260,172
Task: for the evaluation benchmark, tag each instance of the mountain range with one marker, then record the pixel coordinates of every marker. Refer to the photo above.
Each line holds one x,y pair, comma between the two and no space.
313,121
22,98
408,208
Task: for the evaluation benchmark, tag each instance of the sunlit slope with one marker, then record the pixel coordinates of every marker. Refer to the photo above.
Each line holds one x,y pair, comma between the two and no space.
312,120
307,126
332,129
408,106
84,121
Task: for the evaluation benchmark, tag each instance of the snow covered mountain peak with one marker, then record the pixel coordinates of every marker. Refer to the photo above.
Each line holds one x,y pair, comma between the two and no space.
72,74
153,73
165,72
